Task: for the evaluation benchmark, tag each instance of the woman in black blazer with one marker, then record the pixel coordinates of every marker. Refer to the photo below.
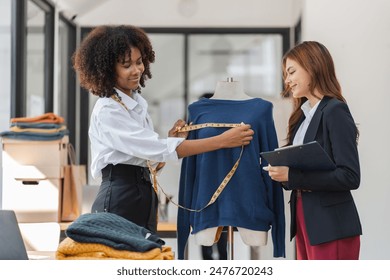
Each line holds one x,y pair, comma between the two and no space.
324,218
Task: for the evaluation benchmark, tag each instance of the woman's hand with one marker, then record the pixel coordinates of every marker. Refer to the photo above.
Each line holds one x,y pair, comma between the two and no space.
277,173
174,131
237,136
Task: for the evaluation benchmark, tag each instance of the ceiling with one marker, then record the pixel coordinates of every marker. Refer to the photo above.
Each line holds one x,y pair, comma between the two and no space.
182,13
77,8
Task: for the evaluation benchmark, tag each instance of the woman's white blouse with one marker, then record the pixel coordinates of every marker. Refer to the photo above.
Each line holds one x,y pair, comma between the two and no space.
309,113
125,136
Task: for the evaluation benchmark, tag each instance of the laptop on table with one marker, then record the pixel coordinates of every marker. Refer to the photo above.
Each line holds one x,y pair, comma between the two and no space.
11,242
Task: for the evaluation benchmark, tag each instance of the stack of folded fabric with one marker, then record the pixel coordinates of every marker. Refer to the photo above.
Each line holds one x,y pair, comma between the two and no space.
44,127
109,236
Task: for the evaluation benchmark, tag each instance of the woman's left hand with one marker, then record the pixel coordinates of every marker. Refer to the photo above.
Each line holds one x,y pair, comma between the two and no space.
277,173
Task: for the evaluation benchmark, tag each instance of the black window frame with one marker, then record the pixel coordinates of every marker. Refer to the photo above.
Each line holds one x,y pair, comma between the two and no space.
19,56
71,113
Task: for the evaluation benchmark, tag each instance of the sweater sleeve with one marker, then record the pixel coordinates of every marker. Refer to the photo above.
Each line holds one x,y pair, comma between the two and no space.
183,217
275,190
186,184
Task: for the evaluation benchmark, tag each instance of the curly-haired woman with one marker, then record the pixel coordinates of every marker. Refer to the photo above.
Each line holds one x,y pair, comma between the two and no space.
113,62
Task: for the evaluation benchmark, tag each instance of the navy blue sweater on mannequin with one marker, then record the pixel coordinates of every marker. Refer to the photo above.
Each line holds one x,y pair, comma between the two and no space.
251,199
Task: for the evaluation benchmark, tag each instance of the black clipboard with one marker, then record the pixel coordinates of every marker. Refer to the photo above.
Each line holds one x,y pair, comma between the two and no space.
308,156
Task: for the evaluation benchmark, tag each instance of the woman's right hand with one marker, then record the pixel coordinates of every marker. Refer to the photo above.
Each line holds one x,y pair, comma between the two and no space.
238,136
175,130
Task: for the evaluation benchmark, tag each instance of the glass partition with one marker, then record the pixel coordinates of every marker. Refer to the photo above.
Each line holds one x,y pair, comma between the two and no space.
253,59
165,91
65,75
5,65
35,76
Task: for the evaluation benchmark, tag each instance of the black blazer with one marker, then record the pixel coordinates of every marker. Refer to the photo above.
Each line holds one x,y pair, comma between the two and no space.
329,209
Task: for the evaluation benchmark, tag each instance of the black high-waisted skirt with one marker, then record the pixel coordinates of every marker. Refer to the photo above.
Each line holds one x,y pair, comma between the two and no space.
126,190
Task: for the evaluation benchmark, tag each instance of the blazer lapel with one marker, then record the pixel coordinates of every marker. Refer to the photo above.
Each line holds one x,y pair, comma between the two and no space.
315,121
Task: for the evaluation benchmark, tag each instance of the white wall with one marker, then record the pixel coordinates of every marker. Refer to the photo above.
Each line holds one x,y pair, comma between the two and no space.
198,13
357,35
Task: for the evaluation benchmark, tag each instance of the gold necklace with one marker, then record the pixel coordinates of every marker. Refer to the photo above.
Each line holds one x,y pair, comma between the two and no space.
119,100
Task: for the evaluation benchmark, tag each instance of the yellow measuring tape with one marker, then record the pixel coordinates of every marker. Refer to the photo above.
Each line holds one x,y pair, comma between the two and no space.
204,125
186,128
224,182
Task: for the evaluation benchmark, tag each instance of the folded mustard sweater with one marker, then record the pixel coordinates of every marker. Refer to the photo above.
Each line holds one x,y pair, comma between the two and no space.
72,250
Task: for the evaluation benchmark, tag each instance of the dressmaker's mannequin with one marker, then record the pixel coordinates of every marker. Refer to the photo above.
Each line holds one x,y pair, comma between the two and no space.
231,90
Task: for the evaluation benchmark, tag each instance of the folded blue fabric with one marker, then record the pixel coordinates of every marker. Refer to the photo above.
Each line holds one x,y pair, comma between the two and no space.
37,125
112,230
34,136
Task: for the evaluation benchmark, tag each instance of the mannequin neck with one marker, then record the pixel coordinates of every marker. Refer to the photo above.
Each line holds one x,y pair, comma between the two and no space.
230,91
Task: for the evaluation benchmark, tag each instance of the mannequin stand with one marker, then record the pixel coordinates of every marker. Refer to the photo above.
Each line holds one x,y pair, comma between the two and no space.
230,243
230,238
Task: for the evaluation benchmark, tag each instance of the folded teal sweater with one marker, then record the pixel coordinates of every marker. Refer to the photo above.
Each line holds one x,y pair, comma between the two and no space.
114,231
